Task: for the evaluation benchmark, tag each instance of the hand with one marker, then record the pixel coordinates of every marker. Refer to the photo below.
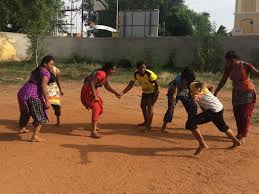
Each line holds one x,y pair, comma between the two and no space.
48,105
118,95
96,98
155,98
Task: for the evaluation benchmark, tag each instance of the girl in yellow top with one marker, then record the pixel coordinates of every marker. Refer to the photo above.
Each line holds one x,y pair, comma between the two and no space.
148,80
55,92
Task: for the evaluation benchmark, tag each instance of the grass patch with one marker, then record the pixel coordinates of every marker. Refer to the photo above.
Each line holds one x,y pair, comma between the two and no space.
19,72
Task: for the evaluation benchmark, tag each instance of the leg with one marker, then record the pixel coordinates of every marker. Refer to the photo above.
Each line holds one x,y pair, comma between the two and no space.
169,113
39,115
57,110
36,132
237,113
247,114
96,112
143,106
192,123
23,122
218,120
150,116
202,144
151,100
231,135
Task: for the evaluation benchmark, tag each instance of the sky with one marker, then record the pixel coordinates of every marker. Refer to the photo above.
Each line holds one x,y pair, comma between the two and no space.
221,11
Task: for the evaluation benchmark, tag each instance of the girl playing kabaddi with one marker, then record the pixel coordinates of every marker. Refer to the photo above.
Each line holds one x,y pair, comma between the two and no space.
89,93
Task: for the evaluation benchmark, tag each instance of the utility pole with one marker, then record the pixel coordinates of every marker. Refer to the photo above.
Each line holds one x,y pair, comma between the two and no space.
117,16
71,18
82,21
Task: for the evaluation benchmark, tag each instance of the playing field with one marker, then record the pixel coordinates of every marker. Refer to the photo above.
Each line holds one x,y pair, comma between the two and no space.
124,160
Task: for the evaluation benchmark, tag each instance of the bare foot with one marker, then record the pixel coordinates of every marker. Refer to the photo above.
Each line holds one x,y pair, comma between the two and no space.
242,140
200,149
58,125
235,144
141,124
37,139
23,130
95,135
144,130
163,130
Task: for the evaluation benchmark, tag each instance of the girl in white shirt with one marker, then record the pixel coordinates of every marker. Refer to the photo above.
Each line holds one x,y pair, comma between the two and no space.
212,112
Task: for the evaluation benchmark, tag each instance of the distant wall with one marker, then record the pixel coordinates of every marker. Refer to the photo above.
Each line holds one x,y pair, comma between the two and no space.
13,46
156,50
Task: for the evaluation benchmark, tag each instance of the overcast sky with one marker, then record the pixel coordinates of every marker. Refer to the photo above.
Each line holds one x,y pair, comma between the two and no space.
221,11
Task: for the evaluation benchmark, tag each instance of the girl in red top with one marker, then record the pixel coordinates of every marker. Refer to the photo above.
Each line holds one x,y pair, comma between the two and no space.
243,95
89,93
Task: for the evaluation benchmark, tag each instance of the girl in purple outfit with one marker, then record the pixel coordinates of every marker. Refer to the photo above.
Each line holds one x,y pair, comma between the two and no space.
33,99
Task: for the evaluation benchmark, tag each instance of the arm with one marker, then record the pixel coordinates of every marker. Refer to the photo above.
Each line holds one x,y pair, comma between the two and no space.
44,84
58,82
156,86
92,87
222,82
110,89
255,72
128,88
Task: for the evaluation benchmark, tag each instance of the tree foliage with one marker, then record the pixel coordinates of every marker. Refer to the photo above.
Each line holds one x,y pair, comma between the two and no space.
36,18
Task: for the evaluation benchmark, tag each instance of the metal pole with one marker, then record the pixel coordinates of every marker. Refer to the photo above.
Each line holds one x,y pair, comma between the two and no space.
82,21
71,19
117,16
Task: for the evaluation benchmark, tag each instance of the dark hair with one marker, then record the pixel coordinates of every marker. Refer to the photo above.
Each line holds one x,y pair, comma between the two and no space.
107,66
46,60
188,74
139,63
230,55
198,85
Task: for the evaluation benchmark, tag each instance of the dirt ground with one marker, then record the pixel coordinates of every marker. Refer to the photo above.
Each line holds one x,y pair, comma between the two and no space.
124,160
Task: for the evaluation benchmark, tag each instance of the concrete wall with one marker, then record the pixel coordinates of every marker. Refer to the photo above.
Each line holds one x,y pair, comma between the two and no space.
13,46
155,50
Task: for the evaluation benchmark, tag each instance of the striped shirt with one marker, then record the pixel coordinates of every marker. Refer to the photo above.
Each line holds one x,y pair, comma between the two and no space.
210,102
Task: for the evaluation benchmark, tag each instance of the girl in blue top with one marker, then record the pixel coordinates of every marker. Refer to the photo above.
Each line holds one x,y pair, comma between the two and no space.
179,90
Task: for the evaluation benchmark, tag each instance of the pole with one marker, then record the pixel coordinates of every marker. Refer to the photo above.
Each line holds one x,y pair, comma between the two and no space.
71,19
117,16
82,21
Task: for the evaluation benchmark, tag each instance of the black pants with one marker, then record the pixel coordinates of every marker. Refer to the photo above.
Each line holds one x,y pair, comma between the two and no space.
57,109
149,99
206,117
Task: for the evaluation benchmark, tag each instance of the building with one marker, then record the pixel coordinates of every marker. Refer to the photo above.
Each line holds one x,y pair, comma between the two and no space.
246,17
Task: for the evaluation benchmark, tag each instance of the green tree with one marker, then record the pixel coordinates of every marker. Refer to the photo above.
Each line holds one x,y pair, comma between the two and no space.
36,18
208,51
9,15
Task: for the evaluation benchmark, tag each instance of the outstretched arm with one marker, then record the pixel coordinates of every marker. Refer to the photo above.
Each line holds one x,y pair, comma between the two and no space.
128,88
222,82
110,89
255,72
